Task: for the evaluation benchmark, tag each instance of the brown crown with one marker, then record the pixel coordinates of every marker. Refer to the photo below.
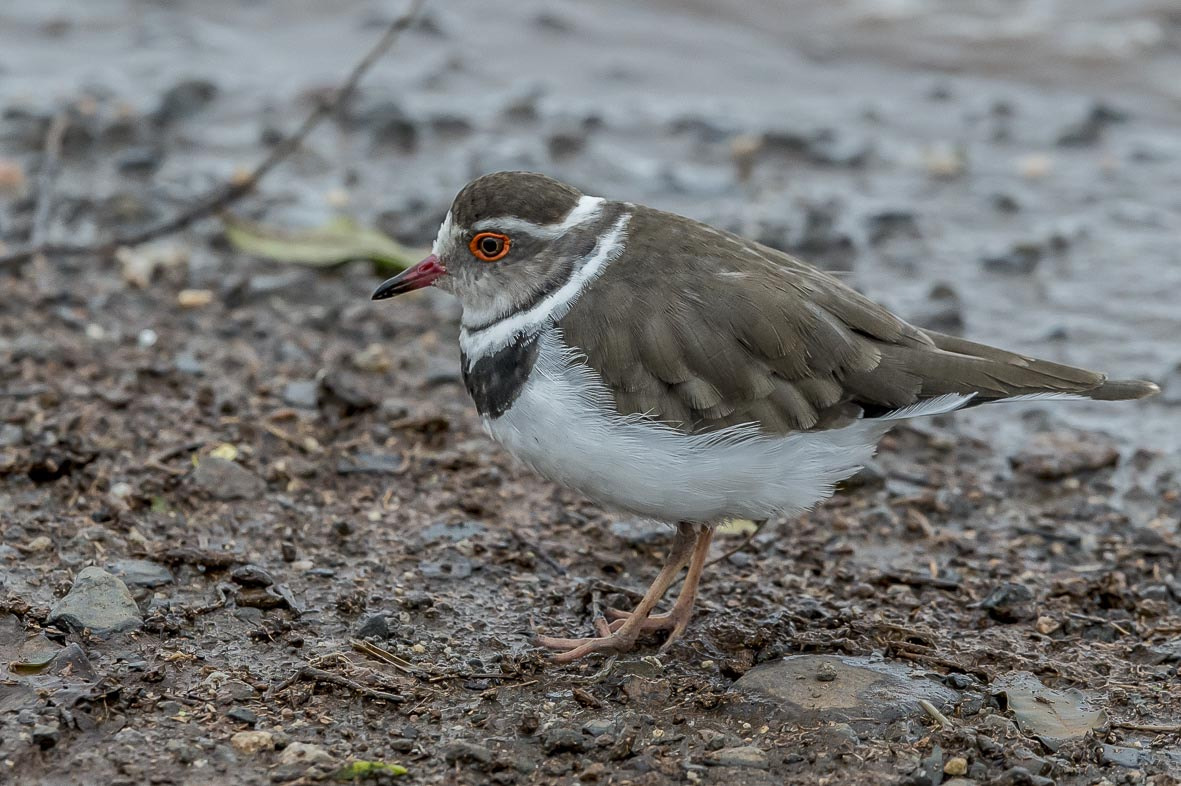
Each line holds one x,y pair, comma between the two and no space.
525,195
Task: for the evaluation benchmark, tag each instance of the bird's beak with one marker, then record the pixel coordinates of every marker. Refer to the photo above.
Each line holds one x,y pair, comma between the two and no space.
421,275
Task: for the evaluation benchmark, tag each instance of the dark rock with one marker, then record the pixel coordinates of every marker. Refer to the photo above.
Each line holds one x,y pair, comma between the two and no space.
45,736
243,715
183,100
138,160
141,572
452,565
1089,129
1022,258
226,480
390,126
375,626
929,771
562,740
1010,602
344,392
639,532
945,312
1018,776
886,225
97,601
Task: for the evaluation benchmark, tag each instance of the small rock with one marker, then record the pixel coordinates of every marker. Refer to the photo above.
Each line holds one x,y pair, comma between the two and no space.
11,435
453,532
462,751
97,601
956,765
1010,602
301,393
856,688
1021,258
138,160
141,572
45,736
741,756
1019,776
253,741
243,715
1089,129
304,753
183,100
1061,455
226,480
376,626
369,463
561,740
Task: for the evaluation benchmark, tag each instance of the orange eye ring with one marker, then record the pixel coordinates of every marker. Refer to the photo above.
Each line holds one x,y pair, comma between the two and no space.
490,246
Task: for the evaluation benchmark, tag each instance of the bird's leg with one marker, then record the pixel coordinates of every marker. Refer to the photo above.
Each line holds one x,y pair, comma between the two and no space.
677,619
621,638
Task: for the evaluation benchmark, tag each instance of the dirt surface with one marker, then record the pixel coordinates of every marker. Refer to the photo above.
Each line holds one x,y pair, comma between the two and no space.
310,555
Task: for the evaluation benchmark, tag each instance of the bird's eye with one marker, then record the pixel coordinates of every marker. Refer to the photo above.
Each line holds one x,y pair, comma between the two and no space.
489,246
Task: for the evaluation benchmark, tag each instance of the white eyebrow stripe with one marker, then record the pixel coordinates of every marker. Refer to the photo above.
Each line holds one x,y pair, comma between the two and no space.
588,208
495,337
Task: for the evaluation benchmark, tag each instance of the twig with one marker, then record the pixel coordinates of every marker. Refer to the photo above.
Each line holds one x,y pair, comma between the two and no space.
50,164
1153,728
745,542
223,196
935,714
312,674
383,655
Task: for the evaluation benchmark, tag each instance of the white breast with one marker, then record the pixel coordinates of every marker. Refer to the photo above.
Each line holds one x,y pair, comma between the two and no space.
564,426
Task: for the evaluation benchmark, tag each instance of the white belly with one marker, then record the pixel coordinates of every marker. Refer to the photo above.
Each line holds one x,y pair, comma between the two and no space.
562,424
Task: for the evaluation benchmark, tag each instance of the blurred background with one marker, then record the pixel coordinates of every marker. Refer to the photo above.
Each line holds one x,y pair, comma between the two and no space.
191,411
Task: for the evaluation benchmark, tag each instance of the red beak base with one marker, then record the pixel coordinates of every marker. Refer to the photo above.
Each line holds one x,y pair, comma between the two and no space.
421,275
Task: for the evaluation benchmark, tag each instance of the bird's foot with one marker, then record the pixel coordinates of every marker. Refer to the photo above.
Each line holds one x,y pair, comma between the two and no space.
610,641
674,622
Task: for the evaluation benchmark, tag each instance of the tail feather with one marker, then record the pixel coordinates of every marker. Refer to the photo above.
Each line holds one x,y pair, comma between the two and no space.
997,374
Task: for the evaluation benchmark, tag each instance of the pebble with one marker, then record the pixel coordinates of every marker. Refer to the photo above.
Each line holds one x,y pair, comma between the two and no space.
740,756
812,688
561,740
253,741
184,99
301,393
463,751
376,626
46,735
305,753
98,601
1010,602
1021,258
243,715
10,435
956,765
141,572
226,480
1061,455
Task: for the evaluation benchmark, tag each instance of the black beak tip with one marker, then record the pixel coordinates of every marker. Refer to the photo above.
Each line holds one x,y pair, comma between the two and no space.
385,291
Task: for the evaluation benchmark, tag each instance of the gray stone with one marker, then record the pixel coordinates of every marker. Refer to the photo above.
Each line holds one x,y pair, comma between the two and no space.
141,572
560,740
741,756
301,393
462,751
45,736
11,434
819,688
97,601
225,480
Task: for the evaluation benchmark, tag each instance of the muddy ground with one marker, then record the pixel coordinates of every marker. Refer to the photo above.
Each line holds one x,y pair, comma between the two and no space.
328,562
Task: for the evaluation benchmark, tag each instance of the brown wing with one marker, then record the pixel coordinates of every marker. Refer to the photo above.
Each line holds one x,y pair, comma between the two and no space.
740,333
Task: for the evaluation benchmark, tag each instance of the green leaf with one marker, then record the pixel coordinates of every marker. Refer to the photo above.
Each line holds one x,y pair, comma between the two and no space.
340,240
356,770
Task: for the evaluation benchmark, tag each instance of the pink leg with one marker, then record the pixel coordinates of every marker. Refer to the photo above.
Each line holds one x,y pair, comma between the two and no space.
622,638
676,620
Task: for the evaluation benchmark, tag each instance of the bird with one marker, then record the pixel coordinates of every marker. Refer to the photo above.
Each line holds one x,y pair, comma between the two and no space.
685,374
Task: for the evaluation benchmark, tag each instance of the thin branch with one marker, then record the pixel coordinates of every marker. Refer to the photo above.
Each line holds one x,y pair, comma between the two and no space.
50,164
223,196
